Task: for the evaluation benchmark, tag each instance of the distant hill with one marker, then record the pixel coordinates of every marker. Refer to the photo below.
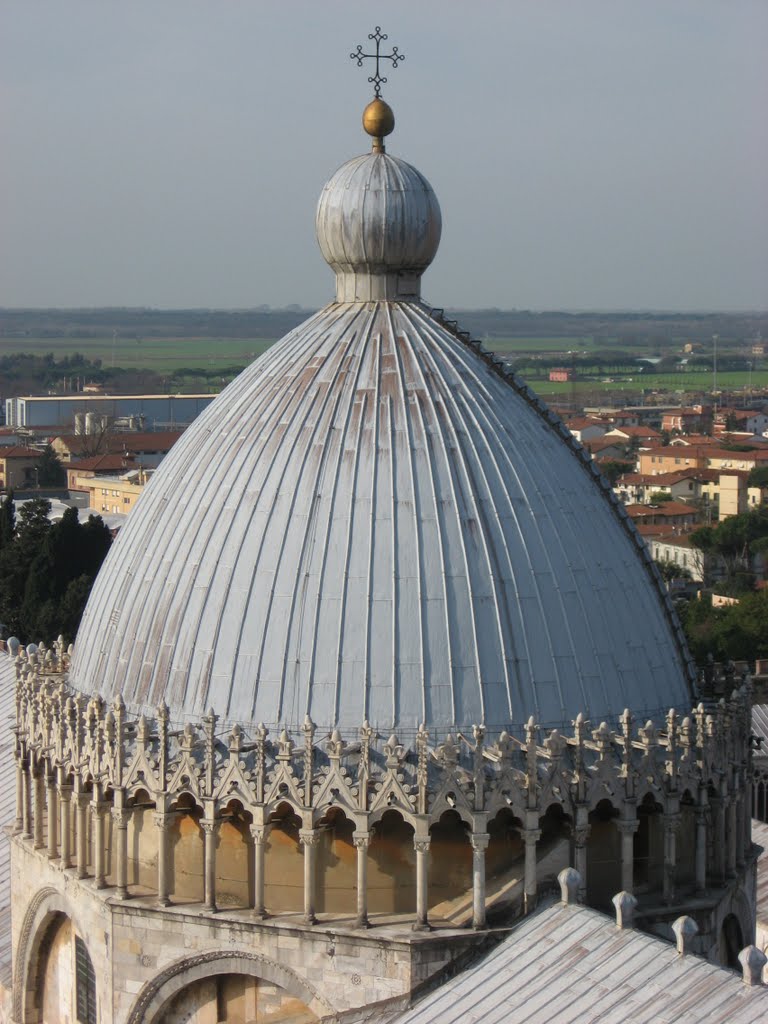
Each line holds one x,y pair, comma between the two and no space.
627,328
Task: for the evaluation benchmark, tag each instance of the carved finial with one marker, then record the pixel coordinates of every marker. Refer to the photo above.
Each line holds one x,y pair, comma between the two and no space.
685,929
752,961
570,883
625,904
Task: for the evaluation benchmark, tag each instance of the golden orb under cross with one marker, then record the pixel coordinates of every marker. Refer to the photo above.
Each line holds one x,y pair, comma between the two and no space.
378,120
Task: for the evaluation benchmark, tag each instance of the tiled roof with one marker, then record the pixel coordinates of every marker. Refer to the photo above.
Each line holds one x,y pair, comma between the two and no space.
103,463
155,441
635,432
18,451
571,963
760,836
666,508
582,422
7,806
665,530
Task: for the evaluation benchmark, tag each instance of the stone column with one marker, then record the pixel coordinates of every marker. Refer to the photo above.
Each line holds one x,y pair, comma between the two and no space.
671,823
81,835
747,815
26,802
627,828
210,831
65,803
53,811
580,837
120,817
531,837
362,841
701,848
38,791
730,848
162,824
309,839
259,834
18,824
739,838
421,923
718,815
98,810
479,842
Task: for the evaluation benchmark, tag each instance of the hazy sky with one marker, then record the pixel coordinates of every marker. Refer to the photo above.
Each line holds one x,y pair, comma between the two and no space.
586,153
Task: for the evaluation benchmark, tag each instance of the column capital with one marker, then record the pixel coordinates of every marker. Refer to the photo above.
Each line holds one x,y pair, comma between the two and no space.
121,816
531,835
260,833
309,837
210,827
627,827
671,822
479,841
163,821
581,834
421,845
361,840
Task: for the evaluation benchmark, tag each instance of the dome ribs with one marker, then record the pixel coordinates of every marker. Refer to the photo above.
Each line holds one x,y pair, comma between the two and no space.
317,455
355,635
405,452
222,590
386,533
255,612
345,466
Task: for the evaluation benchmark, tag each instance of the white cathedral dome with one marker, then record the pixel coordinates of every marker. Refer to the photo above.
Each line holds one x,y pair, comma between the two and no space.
374,522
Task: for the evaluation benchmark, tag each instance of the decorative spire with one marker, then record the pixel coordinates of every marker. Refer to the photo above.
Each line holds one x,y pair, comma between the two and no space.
378,118
377,79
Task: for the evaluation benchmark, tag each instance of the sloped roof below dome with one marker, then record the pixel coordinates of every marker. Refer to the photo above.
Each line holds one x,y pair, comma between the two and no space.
369,522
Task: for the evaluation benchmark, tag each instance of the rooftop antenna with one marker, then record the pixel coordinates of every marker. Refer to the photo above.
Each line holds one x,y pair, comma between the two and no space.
715,338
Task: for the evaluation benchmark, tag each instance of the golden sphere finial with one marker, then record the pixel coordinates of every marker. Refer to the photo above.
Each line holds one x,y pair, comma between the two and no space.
378,120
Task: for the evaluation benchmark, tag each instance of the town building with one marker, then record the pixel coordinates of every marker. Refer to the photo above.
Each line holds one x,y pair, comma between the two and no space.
149,447
642,437
683,485
673,514
585,429
155,411
407,670
18,467
745,421
687,420
115,494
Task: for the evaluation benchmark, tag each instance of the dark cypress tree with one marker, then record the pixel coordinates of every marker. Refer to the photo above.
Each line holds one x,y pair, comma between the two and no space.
50,472
16,562
7,520
46,574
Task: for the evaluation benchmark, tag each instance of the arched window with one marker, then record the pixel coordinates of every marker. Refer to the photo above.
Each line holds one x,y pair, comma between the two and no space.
85,984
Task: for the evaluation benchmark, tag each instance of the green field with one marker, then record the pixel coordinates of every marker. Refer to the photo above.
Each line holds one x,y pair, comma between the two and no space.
682,382
163,355
541,346
170,356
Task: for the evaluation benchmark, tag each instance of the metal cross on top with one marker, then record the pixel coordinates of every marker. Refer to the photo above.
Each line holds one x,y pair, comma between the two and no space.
377,79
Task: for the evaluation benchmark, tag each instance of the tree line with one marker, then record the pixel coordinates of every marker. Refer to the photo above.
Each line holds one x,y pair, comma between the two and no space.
47,569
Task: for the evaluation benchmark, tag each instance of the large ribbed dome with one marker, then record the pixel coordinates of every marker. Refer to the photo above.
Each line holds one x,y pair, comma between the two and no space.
372,522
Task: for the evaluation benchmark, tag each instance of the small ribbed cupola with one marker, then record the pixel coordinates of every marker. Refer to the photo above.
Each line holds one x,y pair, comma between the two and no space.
378,221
